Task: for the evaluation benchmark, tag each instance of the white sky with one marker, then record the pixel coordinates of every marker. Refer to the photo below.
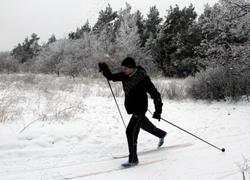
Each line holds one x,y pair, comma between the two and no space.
21,18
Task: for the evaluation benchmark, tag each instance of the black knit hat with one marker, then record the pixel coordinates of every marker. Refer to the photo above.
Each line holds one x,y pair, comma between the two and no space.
128,62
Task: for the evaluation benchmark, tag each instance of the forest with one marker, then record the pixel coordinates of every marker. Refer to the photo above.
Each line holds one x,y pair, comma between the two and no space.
213,48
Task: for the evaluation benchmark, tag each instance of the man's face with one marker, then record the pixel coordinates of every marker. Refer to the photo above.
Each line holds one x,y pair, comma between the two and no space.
128,71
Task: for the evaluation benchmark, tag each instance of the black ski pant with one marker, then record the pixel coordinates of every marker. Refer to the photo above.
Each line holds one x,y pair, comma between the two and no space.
136,122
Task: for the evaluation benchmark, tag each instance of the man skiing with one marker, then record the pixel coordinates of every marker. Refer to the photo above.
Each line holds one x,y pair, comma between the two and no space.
136,85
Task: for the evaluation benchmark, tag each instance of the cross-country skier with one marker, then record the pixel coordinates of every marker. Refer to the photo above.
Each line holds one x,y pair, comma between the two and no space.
136,85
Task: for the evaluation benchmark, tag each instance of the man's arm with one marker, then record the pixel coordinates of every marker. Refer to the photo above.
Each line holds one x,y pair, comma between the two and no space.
103,67
155,95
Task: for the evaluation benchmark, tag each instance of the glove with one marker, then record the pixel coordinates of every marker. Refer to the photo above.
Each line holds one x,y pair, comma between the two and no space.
102,67
157,115
158,109
158,105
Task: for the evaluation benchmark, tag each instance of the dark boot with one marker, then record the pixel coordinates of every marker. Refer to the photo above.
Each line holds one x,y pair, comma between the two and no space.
130,164
161,141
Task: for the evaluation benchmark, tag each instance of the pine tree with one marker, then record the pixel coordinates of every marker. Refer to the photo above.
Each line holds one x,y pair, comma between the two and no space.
105,20
140,23
225,26
27,50
173,48
51,39
152,24
80,31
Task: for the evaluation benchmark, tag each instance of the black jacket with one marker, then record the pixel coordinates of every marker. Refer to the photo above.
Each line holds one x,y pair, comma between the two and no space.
136,88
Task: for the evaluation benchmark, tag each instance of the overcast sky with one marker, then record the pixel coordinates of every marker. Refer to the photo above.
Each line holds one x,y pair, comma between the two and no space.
21,18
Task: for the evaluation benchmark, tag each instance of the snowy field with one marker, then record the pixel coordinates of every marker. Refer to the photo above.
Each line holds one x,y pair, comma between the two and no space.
57,128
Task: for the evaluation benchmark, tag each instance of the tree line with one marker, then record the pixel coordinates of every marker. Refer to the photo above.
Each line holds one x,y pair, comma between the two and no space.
179,45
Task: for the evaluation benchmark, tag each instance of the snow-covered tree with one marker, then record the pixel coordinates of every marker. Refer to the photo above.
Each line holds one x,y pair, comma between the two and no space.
225,30
128,41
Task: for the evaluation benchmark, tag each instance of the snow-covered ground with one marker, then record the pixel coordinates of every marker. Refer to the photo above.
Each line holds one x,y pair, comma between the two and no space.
63,134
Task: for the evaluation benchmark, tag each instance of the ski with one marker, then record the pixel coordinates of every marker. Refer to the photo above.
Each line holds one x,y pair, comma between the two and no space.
112,170
177,146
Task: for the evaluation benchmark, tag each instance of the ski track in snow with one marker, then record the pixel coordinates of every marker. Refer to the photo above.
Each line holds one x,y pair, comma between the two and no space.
84,146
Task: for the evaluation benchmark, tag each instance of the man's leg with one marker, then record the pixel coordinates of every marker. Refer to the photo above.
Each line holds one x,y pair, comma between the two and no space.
151,128
132,136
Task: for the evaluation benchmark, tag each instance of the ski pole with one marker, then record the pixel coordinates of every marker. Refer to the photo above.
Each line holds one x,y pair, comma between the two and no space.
223,149
116,103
